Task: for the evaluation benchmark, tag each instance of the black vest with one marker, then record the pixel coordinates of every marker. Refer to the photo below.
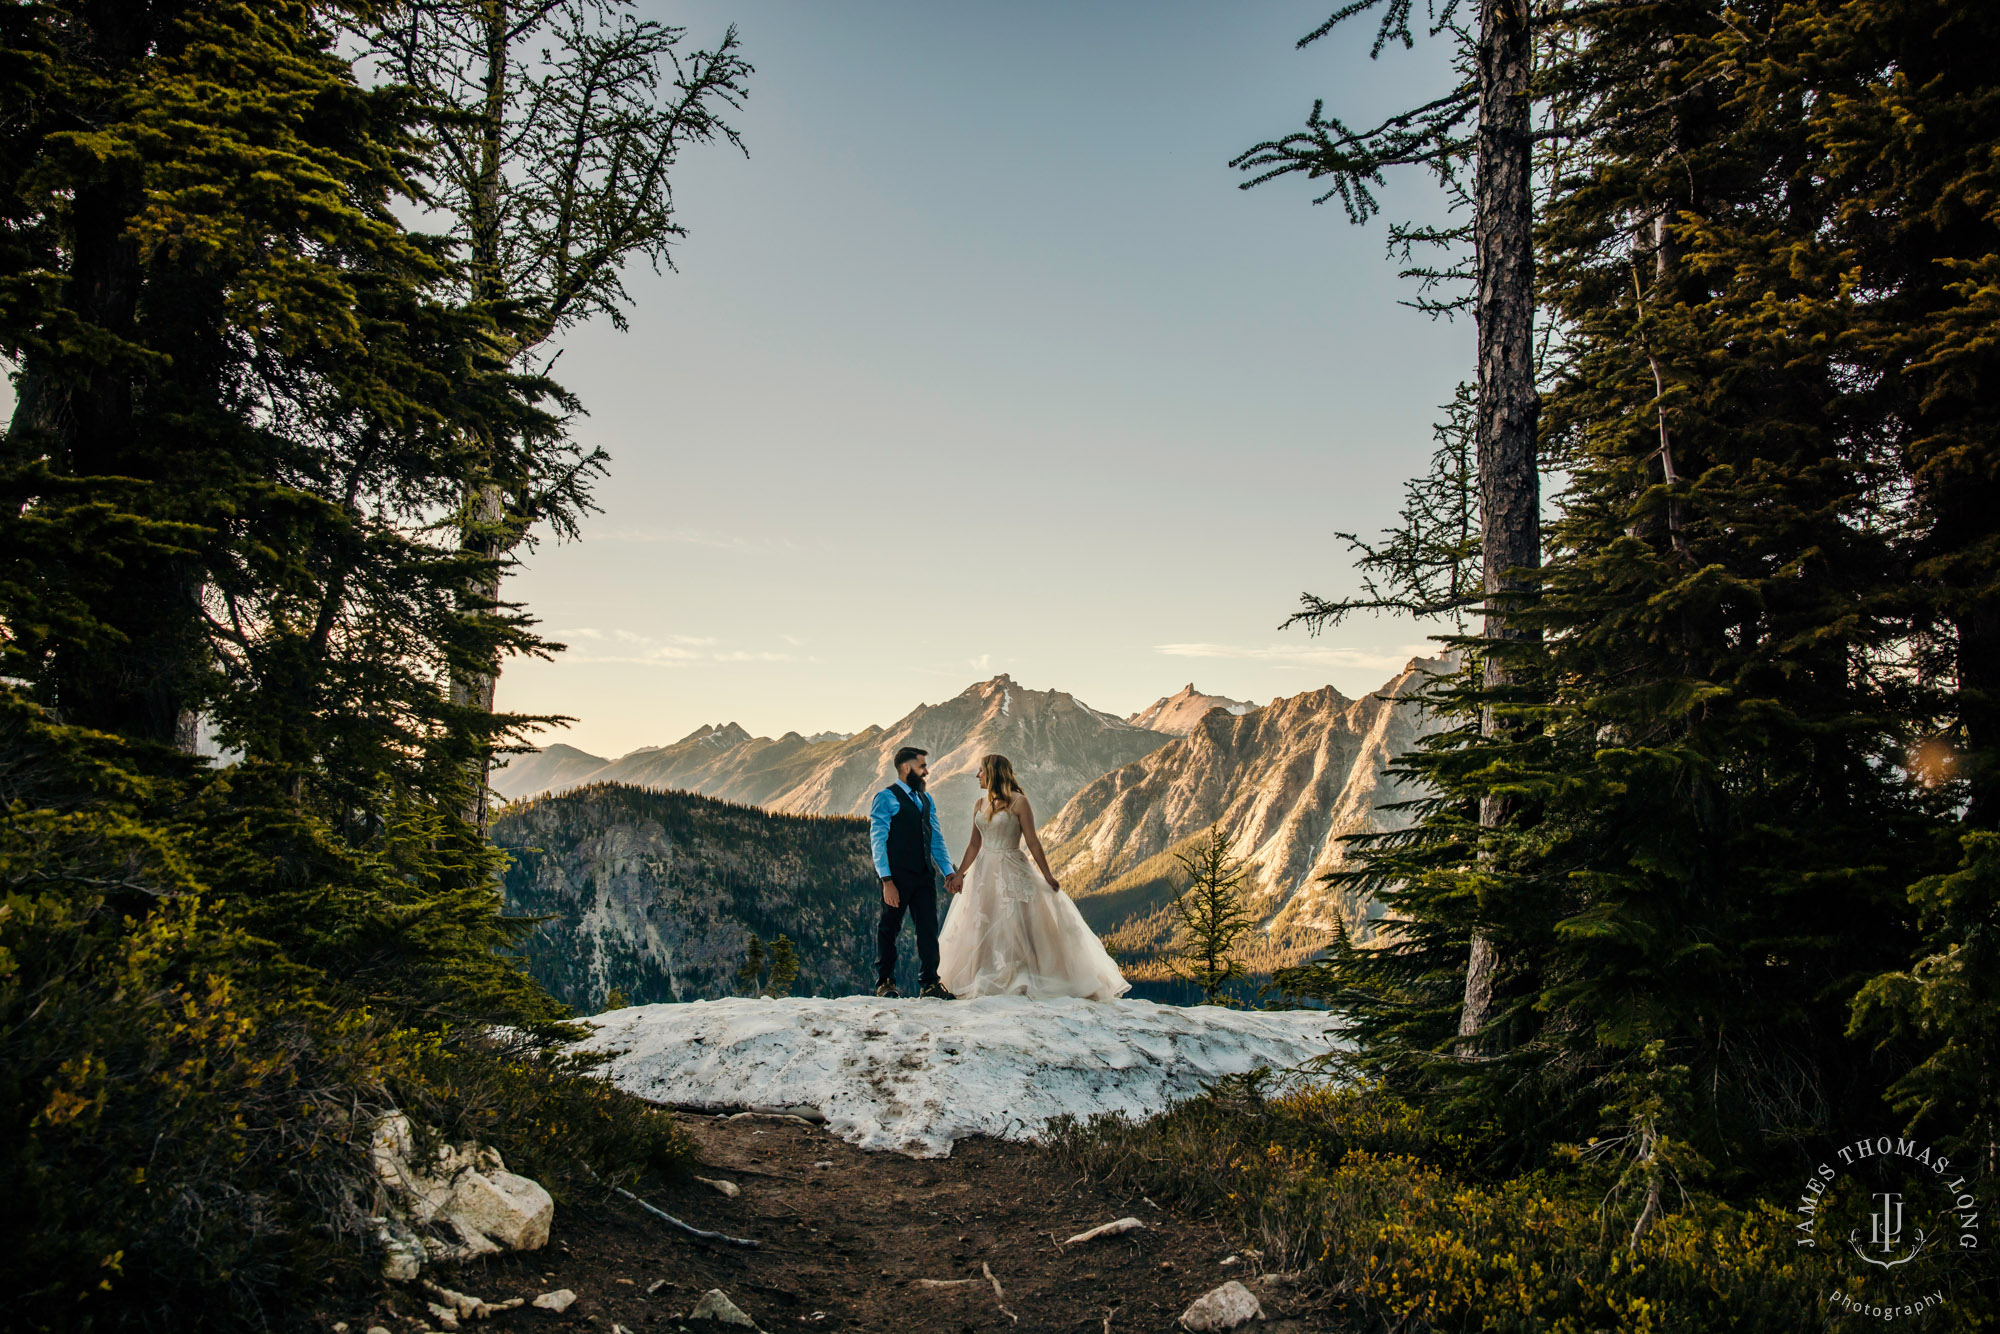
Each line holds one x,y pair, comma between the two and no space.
910,842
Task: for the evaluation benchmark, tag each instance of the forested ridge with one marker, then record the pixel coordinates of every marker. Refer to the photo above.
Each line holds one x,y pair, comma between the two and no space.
655,895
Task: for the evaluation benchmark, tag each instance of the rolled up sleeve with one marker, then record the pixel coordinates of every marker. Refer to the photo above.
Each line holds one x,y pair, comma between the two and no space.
879,815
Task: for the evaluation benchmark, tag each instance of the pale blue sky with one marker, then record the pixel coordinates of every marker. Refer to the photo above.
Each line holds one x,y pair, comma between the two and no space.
981,362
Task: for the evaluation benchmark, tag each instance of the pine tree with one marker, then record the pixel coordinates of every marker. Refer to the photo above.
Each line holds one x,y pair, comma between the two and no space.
784,966
247,395
557,127
1716,724
751,973
1211,916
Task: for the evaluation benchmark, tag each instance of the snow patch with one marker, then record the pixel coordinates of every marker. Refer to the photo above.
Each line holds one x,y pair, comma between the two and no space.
918,1075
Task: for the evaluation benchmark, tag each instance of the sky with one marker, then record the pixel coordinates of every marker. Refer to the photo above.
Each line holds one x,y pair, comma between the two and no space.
980,362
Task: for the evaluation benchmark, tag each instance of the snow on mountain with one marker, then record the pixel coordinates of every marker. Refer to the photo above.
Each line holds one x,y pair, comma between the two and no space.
1177,714
916,1076
1284,782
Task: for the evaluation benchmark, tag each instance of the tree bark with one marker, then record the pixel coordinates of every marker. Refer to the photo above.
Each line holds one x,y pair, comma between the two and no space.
485,502
1509,484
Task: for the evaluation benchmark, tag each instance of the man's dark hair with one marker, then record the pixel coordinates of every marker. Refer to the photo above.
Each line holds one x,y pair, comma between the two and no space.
904,754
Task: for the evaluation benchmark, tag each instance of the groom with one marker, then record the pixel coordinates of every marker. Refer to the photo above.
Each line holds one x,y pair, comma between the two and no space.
908,845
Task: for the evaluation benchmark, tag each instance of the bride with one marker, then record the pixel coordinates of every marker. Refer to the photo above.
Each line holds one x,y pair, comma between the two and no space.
1012,932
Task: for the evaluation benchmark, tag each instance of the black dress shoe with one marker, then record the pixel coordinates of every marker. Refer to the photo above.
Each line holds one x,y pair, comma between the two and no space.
887,989
937,991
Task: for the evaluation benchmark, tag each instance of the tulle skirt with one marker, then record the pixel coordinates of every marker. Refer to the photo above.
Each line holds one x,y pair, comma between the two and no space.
1009,934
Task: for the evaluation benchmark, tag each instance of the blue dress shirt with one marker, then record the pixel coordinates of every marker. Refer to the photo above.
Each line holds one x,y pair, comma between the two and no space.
884,810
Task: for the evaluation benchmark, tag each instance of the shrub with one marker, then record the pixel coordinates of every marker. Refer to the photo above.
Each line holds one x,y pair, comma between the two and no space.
1348,1185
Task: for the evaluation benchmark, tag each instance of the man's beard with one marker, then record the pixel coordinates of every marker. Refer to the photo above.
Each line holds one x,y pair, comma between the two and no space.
916,782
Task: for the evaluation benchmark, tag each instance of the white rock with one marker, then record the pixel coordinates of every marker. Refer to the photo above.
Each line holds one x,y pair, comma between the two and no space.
377,1329
444,1315
1228,1307
558,1300
513,1211
403,1254
1110,1229
728,1188
715,1305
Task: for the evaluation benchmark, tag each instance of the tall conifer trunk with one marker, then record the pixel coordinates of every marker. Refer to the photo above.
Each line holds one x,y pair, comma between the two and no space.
1509,486
483,523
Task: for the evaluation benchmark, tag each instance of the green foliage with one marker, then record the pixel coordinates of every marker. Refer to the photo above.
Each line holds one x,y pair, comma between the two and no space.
784,966
248,403
1368,1195
1946,1006
1754,611
1211,915
751,975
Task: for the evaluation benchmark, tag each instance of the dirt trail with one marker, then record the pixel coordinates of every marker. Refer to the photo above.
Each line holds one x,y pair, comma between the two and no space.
847,1238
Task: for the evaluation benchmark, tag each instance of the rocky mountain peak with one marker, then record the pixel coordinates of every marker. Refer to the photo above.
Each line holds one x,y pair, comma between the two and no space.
1177,714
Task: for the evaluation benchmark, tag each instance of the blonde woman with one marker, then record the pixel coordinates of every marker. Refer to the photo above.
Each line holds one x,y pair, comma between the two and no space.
1013,932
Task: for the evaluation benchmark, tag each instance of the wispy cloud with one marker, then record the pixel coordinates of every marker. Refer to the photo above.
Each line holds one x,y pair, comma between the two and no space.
634,649
982,663
1299,656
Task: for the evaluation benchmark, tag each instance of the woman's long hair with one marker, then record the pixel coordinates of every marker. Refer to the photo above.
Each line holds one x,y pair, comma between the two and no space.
996,775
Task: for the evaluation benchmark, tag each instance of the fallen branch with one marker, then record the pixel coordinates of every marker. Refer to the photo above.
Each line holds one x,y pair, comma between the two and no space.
748,1243
1110,1229
999,1293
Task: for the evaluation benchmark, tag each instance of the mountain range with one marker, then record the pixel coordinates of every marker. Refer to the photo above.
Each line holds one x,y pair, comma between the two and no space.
1057,743
1177,714
651,888
1286,783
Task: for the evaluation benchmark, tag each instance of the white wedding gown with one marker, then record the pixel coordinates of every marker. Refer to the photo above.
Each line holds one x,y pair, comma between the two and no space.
1009,934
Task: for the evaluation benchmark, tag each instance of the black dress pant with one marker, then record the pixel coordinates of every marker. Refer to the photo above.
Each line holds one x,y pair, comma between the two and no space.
917,898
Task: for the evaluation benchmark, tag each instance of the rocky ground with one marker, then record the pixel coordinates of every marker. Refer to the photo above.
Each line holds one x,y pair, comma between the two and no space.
858,1240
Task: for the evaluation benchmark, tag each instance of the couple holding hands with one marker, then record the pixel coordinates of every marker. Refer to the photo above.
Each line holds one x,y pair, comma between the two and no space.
1011,931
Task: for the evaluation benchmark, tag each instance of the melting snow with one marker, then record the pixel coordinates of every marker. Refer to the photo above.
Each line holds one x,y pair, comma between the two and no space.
918,1075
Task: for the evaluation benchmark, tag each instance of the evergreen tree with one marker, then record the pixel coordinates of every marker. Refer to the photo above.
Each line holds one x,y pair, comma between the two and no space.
1720,717
556,126
246,396
1211,916
784,966
752,971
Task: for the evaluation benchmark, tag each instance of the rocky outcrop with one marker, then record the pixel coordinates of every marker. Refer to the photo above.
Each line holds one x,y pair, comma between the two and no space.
1286,783
455,1204
1178,714
653,894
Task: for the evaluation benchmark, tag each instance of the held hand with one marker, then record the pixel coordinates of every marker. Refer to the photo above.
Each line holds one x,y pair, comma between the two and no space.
889,894
955,882
1054,886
